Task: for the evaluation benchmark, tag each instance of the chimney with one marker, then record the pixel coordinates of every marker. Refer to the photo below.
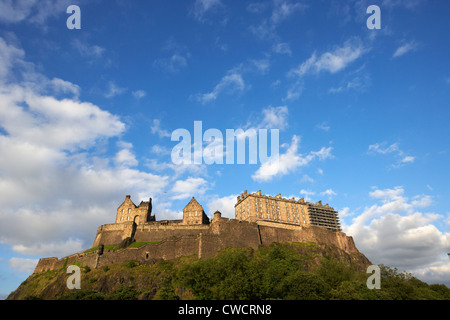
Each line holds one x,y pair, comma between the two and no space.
127,196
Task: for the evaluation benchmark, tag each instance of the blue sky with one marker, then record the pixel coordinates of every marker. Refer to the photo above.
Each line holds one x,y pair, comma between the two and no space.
86,117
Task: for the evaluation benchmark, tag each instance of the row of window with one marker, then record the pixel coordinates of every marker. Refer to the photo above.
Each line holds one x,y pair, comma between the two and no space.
195,214
294,219
128,218
129,210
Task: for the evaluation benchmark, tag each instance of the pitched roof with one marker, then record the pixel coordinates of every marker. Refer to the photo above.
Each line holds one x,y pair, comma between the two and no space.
193,202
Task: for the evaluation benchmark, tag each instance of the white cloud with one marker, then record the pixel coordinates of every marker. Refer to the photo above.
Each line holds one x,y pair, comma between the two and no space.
289,161
295,90
328,192
306,194
408,4
283,9
275,118
14,11
174,63
190,187
261,66
358,83
306,178
378,147
175,57
202,7
56,190
86,50
156,129
282,48
22,264
323,126
160,150
65,87
225,205
332,61
125,157
394,148
178,169
59,249
405,48
407,159
231,82
393,232
114,90
139,94
10,56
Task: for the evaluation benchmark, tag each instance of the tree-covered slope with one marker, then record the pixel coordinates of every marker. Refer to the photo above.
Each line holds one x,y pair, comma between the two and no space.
279,271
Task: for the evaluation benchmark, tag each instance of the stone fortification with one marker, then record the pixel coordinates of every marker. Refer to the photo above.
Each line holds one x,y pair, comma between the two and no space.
194,235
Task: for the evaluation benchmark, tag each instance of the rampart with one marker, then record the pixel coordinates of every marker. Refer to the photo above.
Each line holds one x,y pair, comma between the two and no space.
171,239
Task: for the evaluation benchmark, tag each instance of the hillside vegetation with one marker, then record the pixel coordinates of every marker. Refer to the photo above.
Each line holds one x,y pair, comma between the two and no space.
279,271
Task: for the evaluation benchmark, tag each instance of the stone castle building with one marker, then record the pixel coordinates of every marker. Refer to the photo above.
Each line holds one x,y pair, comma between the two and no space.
128,211
255,206
259,220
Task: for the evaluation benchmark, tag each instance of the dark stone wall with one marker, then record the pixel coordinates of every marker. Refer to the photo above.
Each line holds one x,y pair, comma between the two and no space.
176,240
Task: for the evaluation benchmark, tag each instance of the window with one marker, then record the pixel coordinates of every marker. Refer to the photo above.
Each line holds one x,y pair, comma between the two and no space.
121,218
129,210
195,213
122,211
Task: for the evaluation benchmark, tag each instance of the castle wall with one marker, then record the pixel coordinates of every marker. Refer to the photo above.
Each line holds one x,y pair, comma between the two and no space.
275,232
112,234
175,240
157,231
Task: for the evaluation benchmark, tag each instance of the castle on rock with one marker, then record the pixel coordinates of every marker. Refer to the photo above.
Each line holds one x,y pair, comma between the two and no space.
259,220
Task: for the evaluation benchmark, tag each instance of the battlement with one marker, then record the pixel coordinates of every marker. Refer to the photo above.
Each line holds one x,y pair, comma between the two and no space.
260,220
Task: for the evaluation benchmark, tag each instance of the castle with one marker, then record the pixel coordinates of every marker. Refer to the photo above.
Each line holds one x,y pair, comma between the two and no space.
259,220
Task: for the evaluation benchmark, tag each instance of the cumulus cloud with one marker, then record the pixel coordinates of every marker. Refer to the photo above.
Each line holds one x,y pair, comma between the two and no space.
23,264
183,189
56,188
395,232
328,192
289,161
275,117
224,204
